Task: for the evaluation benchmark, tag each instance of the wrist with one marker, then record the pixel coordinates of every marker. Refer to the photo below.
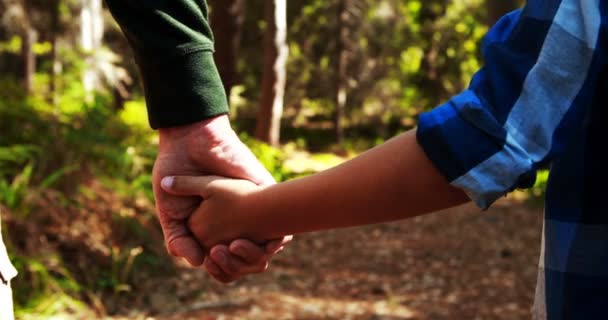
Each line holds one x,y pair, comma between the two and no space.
211,130
258,215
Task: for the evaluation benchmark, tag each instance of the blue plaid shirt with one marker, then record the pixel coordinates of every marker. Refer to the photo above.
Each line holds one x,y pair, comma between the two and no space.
541,99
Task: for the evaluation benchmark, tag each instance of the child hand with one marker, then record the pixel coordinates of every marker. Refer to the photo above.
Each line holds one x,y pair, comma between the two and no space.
222,215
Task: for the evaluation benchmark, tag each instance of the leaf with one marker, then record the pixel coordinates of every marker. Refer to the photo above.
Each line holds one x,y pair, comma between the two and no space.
56,175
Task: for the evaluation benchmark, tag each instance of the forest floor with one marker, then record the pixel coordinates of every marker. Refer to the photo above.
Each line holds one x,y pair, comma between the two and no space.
458,264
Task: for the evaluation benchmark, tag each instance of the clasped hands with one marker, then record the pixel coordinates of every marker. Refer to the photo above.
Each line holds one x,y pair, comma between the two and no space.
189,226
226,212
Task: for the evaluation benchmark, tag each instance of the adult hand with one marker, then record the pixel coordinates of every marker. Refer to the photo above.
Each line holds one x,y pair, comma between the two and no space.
226,213
203,148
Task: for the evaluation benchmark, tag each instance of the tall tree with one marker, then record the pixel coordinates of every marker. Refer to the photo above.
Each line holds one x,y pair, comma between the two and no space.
497,8
29,37
91,35
340,60
273,78
55,64
227,18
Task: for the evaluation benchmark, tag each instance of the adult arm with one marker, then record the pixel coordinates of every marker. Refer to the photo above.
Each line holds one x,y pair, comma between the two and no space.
173,47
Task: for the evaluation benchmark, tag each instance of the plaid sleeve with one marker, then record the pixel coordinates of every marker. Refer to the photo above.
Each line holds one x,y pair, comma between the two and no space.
541,66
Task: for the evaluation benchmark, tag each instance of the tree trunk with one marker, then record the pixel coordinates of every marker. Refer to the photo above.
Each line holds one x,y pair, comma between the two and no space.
273,79
227,17
29,59
55,64
340,94
498,8
91,35
28,56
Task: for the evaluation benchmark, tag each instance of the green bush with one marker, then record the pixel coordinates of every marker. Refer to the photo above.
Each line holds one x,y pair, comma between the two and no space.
51,158
272,158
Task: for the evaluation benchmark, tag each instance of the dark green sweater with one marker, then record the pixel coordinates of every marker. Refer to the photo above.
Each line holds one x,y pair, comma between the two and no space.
173,47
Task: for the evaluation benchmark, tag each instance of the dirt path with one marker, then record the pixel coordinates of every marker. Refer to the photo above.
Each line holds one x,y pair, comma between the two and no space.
459,264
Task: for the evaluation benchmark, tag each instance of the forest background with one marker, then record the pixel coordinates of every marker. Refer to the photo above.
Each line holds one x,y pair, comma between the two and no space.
311,84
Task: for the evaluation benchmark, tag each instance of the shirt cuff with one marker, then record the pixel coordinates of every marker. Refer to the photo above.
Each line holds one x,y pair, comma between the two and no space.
468,147
182,90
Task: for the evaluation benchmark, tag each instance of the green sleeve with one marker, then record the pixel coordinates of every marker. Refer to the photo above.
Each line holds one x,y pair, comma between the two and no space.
173,47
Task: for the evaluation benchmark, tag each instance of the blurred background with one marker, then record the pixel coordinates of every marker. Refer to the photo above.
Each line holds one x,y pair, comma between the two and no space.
311,84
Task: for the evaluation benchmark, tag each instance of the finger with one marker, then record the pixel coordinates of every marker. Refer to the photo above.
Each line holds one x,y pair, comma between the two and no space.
230,264
188,185
248,251
180,242
187,248
274,246
233,265
176,207
216,272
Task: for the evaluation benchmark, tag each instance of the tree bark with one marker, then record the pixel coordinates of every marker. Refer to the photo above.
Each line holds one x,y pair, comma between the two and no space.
55,64
91,35
498,8
273,79
340,94
227,17
29,59
28,56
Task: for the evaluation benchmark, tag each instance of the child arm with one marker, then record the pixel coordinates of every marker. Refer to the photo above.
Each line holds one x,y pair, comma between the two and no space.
390,182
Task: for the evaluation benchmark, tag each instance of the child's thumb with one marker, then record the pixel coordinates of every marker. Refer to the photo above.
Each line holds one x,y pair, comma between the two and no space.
186,185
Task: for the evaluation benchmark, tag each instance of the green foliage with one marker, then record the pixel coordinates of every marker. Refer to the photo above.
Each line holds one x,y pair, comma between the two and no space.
11,46
537,192
135,115
272,158
403,57
13,157
54,177
59,148
117,276
60,142
46,288
12,194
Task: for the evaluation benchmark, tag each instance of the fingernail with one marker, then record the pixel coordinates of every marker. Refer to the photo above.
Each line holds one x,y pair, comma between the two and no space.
167,182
